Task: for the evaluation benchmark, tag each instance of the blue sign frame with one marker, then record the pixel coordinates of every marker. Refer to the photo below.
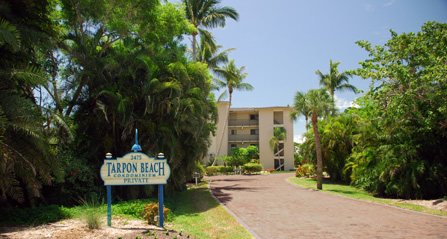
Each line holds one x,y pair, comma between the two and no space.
135,169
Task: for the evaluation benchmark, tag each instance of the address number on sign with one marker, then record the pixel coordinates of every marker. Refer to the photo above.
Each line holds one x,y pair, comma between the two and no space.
135,157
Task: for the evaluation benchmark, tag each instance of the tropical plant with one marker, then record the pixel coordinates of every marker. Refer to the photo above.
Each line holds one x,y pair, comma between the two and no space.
241,156
406,110
319,104
334,80
279,134
305,170
233,78
208,52
252,167
151,210
207,14
300,107
26,154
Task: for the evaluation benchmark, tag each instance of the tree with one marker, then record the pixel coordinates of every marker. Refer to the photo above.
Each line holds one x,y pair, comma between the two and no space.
232,80
208,14
279,134
241,156
335,81
319,104
207,52
25,151
407,105
301,107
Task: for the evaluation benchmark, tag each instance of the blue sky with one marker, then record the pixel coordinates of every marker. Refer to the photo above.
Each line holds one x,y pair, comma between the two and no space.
282,43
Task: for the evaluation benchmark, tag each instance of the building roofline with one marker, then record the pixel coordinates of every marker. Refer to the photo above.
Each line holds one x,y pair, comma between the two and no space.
240,109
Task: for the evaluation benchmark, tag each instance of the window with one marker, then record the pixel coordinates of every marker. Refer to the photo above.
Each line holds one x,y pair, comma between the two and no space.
254,117
254,131
234,146
233,132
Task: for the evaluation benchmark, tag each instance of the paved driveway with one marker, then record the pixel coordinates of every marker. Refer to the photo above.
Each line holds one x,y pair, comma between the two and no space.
271,207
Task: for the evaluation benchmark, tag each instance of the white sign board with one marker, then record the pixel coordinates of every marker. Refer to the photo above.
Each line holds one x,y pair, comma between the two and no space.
135,169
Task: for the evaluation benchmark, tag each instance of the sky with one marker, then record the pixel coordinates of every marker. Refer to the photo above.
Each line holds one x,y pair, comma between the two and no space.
282,43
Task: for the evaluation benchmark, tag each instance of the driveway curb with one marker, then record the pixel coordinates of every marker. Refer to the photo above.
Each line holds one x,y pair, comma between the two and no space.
233,214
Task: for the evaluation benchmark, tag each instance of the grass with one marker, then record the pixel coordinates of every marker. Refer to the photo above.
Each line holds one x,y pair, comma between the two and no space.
193,211
283,172
92,212
353,192
199,214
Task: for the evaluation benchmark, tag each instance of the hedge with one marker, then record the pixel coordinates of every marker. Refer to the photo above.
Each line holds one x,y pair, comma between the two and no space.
252,167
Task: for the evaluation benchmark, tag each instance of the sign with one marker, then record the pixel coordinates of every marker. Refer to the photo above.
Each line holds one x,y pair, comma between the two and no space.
135,169
196,175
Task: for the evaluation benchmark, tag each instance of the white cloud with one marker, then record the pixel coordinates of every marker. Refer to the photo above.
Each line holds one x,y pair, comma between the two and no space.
369,7
299,139
387,4
342,104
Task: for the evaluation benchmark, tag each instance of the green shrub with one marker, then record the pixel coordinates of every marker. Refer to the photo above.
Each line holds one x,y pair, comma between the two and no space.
132,208
151,210
224,169
211,170
305,170
199,169
32,216
252,167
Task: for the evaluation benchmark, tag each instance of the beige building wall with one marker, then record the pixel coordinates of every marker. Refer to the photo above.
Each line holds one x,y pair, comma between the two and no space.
265,133
221,134
289,147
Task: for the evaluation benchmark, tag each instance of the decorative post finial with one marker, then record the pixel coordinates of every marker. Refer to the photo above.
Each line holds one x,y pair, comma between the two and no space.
136,147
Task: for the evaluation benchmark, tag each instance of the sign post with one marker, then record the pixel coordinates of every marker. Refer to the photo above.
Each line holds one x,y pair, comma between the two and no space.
135,169
196,175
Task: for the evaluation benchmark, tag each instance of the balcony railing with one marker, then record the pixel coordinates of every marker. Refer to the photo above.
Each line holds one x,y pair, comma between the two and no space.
243,122
243,138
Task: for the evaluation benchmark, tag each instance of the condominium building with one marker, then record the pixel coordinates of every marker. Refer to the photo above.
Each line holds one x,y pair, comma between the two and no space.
242,127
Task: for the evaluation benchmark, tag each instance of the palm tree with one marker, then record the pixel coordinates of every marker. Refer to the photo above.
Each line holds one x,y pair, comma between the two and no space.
319,103
301,107
207,52
335,81
232,80
9,35
207,13
279,134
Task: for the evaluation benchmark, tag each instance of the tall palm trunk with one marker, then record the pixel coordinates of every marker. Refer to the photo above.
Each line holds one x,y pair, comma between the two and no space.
318,148
223,131
333,101
194,47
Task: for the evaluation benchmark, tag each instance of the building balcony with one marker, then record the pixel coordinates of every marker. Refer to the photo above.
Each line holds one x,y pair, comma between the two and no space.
243,138
243,122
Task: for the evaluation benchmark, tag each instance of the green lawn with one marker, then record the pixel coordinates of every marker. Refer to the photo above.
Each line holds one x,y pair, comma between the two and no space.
283,172
353,192
199,214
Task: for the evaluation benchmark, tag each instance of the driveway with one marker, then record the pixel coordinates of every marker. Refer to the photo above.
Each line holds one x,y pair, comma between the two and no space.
271,207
